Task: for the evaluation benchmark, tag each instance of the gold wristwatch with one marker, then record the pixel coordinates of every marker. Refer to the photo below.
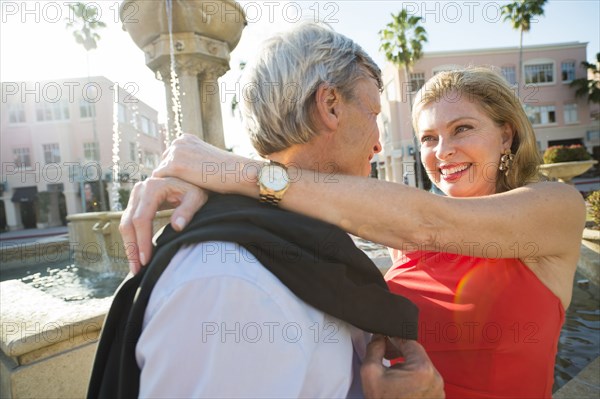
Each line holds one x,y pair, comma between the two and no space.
273,181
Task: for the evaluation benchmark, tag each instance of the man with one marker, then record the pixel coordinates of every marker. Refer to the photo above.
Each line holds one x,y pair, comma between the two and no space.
260,302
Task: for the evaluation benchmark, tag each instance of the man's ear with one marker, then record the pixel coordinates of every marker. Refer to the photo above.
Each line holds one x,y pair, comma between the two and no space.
327,102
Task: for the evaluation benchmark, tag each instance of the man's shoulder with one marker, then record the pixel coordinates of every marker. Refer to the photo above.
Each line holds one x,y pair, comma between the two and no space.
224,270
213,260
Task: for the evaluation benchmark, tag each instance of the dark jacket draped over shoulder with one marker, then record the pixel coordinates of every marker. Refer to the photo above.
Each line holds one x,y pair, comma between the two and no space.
317,261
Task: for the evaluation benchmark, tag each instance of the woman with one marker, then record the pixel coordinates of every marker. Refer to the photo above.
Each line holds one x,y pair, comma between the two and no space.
490,265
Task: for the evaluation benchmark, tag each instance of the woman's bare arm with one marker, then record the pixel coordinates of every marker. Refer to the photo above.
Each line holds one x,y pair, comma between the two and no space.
542,219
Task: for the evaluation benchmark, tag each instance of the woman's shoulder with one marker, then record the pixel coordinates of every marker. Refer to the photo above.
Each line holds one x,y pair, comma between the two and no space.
563,197
552,187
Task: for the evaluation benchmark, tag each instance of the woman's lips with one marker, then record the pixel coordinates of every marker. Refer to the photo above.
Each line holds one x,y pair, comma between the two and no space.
451,173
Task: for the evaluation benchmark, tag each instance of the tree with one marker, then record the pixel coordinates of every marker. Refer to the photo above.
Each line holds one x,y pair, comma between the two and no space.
402,42
235,102
84,23
520,14
589,88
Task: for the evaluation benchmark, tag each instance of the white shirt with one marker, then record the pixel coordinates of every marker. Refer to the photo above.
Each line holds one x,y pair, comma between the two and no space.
218,324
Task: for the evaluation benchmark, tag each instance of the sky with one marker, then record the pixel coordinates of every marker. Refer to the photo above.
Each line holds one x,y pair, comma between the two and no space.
35,45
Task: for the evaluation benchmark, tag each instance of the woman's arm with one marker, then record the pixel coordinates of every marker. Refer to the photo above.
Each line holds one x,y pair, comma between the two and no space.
542,219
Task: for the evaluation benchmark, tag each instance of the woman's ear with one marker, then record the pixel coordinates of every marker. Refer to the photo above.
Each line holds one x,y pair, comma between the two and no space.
327,100
508,134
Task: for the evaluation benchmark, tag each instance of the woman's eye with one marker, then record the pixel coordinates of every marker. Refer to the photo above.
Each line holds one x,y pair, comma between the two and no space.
425,139
463,128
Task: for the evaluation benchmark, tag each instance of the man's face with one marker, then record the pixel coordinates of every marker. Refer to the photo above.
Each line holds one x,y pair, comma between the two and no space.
357,139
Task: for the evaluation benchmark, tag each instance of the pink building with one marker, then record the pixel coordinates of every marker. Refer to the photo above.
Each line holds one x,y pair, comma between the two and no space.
557,116
57,148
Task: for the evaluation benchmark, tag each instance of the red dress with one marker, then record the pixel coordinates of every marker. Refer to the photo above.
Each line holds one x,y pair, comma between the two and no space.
490,326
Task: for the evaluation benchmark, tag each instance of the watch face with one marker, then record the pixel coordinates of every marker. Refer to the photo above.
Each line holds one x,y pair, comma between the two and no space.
273,177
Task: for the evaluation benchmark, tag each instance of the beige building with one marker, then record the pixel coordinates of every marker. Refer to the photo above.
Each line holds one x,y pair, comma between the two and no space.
557,116
57,148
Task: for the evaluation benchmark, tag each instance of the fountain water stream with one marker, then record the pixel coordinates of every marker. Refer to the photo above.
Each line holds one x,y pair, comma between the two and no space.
102,229
116,182
174,79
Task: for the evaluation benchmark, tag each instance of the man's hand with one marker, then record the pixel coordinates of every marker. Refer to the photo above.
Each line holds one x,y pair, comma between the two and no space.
415,378
146,198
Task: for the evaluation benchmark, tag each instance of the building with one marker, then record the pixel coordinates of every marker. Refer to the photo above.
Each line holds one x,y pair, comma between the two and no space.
557,116
57,148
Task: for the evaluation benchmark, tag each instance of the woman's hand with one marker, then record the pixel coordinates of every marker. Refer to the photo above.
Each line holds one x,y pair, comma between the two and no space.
416,377
188,167
146,199
190,159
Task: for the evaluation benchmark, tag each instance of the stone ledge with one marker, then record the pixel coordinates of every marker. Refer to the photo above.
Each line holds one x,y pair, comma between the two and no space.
584,385
589,263
32,320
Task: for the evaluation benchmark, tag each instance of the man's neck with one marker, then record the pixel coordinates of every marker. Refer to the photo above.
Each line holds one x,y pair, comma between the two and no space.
303,156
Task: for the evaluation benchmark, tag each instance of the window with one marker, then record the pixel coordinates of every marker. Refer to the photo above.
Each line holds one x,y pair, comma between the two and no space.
539,73
87,109
122,113
133,154
145,122
568,71
150,160
51,153
509,73
16,113
543,115
570,112
91,152
22,158
57,111
153,129
417,80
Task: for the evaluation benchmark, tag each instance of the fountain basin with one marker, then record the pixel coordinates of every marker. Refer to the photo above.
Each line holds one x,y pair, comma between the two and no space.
221,20
47,344
94,235
566,171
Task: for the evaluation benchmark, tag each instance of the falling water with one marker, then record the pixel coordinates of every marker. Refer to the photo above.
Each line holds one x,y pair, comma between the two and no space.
100,229
176,103
116,182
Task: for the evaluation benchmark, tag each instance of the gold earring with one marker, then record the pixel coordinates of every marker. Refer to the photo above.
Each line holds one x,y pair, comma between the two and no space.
506,161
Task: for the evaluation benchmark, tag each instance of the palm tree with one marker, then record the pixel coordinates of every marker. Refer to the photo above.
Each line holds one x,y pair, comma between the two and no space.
402,42
83,21
520,13
589,88
235,102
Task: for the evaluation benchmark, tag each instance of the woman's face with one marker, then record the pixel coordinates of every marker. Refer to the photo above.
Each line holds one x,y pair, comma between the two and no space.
461,146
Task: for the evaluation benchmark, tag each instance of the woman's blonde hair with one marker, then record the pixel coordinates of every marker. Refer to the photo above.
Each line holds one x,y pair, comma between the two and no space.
488,89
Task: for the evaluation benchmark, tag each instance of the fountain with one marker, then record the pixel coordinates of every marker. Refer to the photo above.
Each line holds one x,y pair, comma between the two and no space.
187,44
189,58
47,344
566,171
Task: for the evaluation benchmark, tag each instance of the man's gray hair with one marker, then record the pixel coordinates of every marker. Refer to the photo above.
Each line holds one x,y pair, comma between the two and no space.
278,88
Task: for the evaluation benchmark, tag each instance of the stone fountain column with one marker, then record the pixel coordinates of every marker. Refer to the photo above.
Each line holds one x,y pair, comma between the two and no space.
203,35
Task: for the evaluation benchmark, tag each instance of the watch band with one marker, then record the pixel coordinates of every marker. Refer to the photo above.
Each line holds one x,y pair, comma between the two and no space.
269,199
